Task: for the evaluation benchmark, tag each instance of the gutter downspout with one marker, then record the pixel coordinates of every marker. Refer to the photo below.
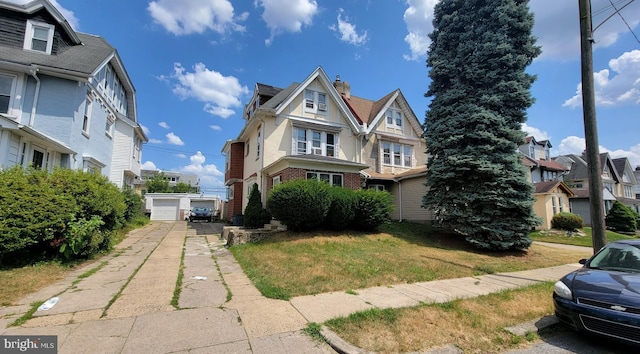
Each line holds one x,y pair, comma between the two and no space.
34,72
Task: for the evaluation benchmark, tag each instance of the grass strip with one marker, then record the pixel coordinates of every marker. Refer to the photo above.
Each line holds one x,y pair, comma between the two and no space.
27,315
175,299
215,261
89,273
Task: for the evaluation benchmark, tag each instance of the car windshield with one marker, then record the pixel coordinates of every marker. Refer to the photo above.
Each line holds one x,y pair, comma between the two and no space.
617,256
200,210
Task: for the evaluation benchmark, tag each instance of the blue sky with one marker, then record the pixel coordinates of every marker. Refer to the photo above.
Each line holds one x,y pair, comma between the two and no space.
194,64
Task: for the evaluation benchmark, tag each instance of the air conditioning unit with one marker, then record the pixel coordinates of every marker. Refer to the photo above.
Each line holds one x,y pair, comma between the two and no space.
316,151
322,106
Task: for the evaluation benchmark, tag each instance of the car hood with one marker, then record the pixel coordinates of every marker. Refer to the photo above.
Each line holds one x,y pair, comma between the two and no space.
608,286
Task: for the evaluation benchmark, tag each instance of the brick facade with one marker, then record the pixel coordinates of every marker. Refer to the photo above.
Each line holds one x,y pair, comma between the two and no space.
350,180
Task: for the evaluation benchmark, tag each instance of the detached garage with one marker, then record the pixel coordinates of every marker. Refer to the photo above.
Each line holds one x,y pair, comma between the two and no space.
177,206
165,209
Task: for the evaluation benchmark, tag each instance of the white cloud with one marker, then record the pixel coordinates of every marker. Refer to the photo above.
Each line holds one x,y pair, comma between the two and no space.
348,31
155,141
418,17
576,145
535,132
164,125
220,93
174,139
145,130
208,174
618,86
287,15
182,156
182,17
148,165
215,127
556,26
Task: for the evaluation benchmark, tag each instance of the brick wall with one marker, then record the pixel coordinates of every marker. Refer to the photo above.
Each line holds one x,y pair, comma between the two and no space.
236,162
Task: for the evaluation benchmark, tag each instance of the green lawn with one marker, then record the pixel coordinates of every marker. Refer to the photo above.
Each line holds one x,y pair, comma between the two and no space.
575,239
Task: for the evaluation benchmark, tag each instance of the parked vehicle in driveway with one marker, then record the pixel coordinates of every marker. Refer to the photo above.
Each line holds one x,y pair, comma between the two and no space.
201,213
603,297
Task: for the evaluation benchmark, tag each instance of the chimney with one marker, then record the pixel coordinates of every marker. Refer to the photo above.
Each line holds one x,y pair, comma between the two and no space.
342,87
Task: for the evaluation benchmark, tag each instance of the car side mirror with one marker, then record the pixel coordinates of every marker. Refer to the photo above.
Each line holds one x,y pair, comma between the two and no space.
583,261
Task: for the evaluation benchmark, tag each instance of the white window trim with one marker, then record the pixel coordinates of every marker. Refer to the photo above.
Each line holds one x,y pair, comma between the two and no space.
275,181
12,93
318,173
316,102
309,142
391,152
393,124
28,36
111,120
87,115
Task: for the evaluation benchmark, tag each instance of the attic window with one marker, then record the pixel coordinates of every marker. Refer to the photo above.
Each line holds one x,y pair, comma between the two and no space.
315,102
39,37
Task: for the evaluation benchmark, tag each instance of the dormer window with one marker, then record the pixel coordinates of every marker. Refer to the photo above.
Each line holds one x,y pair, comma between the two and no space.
394,119
315,102
39,37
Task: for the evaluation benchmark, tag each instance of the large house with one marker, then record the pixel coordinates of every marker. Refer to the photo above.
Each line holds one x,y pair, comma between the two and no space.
618,179
66,99
551,193
318,129
173,178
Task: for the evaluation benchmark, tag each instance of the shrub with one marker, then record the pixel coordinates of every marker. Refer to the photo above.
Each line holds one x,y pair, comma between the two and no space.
83,238
567,221
94,195
255,215
621,218
32,214
133,204
300,204
342,209
373,208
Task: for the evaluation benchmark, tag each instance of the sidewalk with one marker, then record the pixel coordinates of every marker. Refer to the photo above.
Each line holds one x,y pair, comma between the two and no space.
126,305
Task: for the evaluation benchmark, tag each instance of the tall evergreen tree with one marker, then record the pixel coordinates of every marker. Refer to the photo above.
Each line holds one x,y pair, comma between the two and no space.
477,59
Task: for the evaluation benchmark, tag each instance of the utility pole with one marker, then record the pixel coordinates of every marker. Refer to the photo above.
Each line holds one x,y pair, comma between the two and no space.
596,200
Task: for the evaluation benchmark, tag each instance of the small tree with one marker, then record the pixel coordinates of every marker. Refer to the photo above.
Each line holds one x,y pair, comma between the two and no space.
255,215
621,218
181,187
158,184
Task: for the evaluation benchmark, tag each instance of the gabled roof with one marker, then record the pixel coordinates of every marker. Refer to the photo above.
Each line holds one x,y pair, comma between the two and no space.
548,165
579,169
548,186
319,74
379,108
37,5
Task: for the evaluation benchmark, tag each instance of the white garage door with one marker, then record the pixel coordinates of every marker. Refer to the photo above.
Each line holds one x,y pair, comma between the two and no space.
165,209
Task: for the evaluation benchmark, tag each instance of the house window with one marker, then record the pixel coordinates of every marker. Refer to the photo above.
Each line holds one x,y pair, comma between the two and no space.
316,142
246,153
609,186
230,193
397,154
39,37
315,101
6,90
333,179
394,118
38,159
553,202
532,151
378,187
628,192
276,181
87,115
108,129
561,204
546,153
258,143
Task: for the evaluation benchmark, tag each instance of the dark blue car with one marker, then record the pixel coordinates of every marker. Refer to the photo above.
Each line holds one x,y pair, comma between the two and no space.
603,296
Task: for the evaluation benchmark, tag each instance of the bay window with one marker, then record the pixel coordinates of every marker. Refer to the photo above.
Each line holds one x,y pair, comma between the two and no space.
316,142
397,154
334,179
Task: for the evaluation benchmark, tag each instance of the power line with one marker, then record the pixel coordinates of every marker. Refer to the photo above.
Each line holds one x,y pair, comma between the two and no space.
625,21
176,151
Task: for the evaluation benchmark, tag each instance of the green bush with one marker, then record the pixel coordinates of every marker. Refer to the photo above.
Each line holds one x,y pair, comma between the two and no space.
83,238
133,204
342,209
567,221
94,195
32,214
621,218
255,216
300,204
373,208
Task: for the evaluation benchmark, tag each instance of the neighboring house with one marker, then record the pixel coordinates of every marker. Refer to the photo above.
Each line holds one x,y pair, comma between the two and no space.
172,177
625,189
541,168
636,173
65,97
552,197
317,129
578,180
